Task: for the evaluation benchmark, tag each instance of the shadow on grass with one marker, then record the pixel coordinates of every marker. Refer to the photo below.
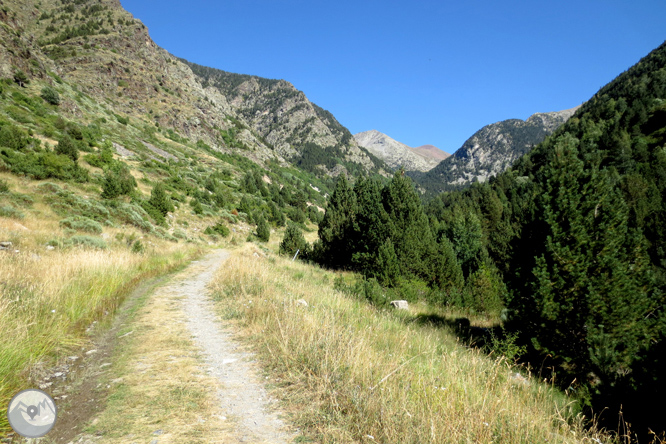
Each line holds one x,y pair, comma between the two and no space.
468,334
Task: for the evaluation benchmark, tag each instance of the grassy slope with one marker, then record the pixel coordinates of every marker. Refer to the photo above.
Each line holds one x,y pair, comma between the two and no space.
349,372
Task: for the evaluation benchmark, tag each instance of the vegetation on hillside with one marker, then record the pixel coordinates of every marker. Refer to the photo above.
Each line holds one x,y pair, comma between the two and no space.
571,241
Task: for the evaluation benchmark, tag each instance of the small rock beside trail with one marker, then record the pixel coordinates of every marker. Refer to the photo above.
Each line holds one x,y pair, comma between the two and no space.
400,305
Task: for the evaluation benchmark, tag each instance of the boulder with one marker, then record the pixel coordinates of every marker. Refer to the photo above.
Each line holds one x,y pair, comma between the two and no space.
400,305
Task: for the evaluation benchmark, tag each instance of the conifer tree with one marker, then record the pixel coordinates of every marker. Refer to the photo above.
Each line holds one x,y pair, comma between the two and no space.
263,230
160,200
370,228
408,226
590,284
336,230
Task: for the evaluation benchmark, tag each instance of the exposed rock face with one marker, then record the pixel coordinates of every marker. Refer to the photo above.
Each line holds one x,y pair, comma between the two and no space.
397,154
491,150
117,63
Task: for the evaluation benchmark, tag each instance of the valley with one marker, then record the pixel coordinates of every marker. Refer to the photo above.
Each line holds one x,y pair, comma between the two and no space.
152,208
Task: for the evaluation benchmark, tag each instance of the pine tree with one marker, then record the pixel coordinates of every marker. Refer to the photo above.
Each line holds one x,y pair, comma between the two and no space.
408,227
370,227
336,230
160,200
67,147
263,230
589,285
387,269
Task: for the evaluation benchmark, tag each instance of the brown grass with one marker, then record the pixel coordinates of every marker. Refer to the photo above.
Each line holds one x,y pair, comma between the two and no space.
351,373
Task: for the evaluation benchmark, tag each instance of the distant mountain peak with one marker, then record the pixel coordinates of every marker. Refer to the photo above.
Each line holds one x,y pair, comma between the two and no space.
493,149
397,154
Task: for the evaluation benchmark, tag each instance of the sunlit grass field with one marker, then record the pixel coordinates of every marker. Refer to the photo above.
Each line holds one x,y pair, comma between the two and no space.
50,296
348,372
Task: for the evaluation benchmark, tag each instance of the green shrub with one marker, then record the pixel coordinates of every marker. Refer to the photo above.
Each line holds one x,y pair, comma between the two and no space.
13,137
294,241
50,95
137,247
11,212
263,230
67,147
86,242
4,187
219,228
21,78
82,223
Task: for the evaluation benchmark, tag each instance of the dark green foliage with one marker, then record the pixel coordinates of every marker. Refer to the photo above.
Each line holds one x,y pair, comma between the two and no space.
160,200
336,230
297,215
294,241
117,181
387,267
575,233
20,78
13,137
219,228
276,216
50,95
4,187
67,147
263,230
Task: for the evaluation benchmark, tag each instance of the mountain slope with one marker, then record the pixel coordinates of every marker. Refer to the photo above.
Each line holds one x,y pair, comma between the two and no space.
287,122
396,154
431,152
577,230
491,150
110,57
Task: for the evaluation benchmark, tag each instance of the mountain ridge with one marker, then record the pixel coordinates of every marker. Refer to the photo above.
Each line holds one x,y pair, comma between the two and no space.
397,154
491,150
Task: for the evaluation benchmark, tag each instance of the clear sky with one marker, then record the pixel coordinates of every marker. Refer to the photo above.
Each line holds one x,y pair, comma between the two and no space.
423,72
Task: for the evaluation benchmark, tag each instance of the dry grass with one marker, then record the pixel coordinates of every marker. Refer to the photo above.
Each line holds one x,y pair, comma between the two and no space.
350,373
49,297
159,388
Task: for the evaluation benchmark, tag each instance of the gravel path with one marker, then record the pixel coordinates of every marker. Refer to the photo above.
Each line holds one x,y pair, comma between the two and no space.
242,396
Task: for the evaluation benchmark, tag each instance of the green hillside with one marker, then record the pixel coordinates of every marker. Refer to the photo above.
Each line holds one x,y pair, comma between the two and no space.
568,244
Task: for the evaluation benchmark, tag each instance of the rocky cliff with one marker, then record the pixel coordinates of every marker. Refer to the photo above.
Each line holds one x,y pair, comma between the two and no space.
491,150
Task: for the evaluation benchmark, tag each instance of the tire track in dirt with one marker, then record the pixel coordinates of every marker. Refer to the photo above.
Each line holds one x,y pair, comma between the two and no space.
242,396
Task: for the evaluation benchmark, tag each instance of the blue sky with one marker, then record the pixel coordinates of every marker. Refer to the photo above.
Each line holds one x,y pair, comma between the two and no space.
424,72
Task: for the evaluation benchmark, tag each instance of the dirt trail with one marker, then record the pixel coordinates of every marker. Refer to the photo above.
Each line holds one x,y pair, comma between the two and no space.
151,366
242,395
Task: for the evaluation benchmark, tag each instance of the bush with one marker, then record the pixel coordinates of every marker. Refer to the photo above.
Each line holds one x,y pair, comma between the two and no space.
4,187
219,228
160,200
86,242
82,223
66,146
50,95
13,137
11,212
263,230
294,241
20,78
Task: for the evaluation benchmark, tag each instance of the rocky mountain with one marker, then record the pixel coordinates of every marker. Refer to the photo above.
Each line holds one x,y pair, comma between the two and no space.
491,150
397,154
110,57
431,151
